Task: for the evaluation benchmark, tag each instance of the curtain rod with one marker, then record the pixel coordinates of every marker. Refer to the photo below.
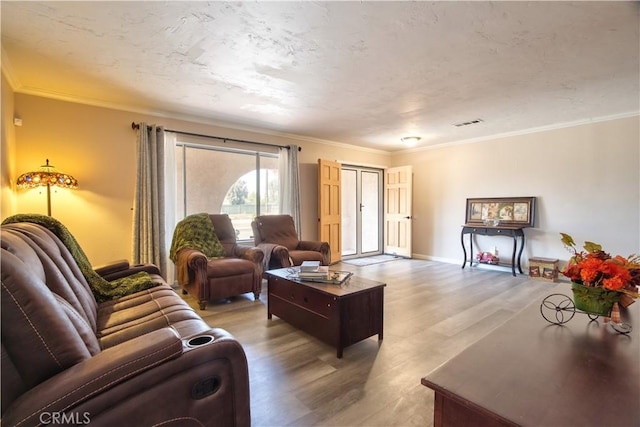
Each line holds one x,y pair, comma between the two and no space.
135,125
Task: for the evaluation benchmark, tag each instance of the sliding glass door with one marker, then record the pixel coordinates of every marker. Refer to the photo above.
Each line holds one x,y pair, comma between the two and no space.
239,182
361,211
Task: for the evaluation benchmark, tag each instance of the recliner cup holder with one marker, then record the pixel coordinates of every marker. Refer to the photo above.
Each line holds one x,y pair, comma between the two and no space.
200,340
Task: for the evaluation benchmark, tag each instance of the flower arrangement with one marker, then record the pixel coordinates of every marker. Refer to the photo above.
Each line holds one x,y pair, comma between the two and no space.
487,258
593,267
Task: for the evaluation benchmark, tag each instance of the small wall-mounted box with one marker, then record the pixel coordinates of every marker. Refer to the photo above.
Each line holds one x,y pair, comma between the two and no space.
543,269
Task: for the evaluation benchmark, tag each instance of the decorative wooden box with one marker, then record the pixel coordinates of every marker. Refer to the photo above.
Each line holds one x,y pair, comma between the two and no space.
543,269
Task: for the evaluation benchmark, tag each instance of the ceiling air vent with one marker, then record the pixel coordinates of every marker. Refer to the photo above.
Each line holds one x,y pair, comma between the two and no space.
470,122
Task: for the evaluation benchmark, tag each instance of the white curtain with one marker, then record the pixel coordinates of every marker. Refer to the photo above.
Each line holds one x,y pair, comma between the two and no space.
148,208
290,184
170,197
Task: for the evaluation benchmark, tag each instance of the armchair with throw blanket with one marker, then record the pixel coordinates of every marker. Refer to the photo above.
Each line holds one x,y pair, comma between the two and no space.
276,235
210,264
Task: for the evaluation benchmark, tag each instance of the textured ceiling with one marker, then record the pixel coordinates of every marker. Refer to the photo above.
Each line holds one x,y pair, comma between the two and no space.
362,73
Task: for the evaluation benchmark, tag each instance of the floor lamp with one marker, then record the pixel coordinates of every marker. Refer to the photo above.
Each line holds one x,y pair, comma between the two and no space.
47,176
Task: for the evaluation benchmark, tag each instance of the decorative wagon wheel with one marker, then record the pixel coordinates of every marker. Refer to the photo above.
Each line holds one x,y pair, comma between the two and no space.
623,328
592,316
557,309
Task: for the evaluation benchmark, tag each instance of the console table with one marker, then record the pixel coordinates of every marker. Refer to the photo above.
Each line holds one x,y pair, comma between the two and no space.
530,372
514,232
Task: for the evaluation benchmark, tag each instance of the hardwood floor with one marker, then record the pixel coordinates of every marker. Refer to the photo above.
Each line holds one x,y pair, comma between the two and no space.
432,312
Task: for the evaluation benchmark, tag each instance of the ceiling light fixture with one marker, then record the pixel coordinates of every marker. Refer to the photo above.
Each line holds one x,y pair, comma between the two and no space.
410,141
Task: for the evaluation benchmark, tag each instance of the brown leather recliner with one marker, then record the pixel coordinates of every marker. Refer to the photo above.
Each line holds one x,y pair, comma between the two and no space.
238,272
146,358
276,235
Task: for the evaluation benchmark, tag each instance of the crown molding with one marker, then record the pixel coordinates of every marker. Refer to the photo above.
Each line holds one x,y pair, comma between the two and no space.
186,117
527,131
18,88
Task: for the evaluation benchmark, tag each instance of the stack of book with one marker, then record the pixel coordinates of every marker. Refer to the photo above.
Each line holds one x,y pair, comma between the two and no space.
310,270
309,266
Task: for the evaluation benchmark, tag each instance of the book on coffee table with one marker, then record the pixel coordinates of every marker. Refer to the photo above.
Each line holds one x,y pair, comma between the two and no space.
320,272
328,276
311,266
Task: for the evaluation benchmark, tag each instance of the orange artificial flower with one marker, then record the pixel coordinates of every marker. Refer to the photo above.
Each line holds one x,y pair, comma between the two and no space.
614,283
590,270
596,268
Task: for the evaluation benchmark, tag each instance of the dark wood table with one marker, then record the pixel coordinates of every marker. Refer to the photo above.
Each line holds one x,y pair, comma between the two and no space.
530,372
339,315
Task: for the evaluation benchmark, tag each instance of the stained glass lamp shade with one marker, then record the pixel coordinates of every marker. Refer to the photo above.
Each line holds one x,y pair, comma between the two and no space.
47,176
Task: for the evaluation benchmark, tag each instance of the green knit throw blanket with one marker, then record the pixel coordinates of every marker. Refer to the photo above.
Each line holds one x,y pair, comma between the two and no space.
196,232
102,289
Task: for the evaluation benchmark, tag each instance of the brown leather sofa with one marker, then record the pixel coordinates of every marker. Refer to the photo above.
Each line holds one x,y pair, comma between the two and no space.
277,237
143,359
238,272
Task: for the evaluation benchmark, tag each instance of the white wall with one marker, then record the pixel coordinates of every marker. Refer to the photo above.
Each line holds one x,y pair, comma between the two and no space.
586,179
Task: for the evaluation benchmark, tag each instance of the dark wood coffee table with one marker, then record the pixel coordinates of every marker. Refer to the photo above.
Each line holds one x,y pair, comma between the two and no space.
339,315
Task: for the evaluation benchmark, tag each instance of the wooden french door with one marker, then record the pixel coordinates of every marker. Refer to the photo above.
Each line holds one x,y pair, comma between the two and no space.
398,205
329,211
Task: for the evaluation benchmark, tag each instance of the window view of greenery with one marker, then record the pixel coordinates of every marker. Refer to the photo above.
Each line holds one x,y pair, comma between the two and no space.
241,200
240,183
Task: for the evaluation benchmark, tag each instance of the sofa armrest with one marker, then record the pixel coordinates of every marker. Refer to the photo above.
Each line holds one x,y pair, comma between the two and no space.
275,256
322,247
93,376
112,267
250,253
193,257
202,383
191,267
121,268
